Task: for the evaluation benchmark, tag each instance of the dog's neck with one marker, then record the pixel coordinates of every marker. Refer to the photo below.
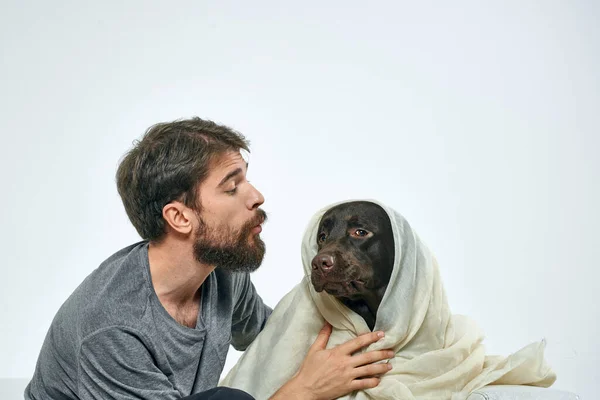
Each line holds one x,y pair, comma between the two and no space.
366,306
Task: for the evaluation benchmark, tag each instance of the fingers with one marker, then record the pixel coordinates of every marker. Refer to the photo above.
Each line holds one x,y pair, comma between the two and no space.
367,383
322,338
371,370
358,343
371,357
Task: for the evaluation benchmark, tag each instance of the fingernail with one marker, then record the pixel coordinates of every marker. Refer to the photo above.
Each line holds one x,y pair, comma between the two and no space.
390,354
380,334
389,366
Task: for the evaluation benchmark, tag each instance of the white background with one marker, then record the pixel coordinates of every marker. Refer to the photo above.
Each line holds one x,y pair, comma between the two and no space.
478,122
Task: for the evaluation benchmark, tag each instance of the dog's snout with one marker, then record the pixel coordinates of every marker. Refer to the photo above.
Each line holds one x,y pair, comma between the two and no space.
324,262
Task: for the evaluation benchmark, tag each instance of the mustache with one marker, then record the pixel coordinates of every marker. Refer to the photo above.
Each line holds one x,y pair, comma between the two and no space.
259,219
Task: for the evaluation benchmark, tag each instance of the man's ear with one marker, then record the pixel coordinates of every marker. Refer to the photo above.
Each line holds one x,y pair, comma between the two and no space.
179,217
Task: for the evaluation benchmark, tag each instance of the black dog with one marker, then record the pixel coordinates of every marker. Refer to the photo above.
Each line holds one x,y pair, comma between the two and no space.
356,256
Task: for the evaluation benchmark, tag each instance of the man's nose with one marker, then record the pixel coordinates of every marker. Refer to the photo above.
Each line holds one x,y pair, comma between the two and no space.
255,199
324,262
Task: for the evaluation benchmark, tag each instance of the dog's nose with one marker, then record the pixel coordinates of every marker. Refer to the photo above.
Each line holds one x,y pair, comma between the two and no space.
324,262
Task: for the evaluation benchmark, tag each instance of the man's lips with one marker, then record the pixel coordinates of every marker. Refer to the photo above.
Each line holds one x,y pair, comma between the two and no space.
258,227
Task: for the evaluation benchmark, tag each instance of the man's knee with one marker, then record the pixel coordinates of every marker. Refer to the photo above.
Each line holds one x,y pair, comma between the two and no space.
225,393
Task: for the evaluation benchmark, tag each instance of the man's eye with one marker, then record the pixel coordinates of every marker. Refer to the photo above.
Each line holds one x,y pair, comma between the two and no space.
322,237
232,191
361,232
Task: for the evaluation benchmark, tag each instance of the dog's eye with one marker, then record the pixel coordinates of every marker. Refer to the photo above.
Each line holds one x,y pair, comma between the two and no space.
322,237
361,232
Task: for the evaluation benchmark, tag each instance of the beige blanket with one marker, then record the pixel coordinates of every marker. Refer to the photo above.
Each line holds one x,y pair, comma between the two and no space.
438,355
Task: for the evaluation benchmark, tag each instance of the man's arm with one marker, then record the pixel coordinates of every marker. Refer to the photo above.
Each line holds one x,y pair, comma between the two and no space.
116,363
249,314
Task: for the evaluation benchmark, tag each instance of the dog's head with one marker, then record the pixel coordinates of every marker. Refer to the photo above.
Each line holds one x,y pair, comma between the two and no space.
355,252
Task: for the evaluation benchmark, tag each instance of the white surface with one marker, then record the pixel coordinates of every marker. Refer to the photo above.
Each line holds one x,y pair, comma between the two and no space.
12,389
493,107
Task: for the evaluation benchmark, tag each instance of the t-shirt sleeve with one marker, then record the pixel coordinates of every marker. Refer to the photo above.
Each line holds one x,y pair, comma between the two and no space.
117,363
249,315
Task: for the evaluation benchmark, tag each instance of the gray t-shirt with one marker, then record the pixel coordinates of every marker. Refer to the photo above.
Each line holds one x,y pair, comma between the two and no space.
112,338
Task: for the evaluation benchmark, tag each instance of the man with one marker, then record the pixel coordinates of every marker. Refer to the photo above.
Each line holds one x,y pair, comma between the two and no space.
156,319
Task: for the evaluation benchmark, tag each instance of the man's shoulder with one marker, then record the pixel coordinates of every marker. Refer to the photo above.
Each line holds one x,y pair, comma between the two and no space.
116,293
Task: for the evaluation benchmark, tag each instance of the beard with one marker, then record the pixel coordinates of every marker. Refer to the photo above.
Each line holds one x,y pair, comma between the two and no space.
235,251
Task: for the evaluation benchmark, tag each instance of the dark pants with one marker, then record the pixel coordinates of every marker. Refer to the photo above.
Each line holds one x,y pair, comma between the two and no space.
220,393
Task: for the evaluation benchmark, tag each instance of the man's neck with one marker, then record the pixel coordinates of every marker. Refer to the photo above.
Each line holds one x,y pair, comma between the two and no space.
176,275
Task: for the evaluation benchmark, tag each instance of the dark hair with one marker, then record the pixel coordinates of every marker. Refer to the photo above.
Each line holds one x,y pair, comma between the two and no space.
170,163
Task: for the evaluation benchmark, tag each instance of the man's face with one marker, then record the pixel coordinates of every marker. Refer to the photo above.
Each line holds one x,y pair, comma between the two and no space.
230,217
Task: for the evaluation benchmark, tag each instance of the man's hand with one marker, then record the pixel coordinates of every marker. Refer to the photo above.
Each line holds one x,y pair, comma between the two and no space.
329,374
